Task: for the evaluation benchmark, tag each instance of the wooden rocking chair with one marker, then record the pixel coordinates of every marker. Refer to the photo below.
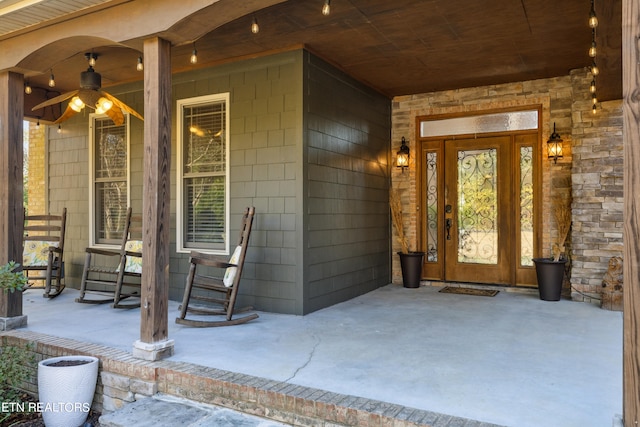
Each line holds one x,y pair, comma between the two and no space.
111,280
43,252
225,288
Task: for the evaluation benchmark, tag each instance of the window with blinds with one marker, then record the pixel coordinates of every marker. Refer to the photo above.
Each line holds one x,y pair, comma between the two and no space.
203,167
110,189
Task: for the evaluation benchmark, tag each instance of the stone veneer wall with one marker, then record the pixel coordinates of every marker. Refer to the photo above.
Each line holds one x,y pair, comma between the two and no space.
590,171
597,182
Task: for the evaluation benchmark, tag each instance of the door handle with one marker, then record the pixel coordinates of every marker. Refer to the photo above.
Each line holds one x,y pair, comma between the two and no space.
448,224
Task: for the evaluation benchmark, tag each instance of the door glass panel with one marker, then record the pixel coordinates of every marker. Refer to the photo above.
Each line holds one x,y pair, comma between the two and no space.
477,206
526,206
432,207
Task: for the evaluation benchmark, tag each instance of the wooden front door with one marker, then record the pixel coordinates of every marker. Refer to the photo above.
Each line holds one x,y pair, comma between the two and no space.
478,199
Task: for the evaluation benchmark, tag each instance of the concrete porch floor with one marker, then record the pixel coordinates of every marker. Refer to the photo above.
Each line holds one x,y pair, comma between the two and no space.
511,360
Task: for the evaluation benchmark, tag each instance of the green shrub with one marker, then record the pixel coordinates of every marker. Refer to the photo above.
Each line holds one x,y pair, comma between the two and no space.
15,366
11,280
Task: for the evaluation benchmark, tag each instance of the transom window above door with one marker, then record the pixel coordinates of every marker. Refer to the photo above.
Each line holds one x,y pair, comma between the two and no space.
484,123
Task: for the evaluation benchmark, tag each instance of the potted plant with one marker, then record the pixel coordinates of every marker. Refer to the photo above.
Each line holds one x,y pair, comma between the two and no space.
10,279
550,271
410,261
66,386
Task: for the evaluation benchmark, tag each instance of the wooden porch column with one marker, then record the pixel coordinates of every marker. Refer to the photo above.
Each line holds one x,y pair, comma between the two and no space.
631,131
11,188
154,343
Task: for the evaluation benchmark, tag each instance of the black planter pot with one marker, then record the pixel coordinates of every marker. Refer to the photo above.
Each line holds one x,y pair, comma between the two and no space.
550,276
411,264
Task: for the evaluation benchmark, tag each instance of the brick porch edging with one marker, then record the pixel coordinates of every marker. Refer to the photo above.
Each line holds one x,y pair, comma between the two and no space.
125,379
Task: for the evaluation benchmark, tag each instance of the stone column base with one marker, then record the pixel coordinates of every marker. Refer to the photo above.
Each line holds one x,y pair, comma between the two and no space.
153,351
9,323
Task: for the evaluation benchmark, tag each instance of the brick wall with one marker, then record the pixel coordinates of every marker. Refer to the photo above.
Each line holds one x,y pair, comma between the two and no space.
123,379
37,191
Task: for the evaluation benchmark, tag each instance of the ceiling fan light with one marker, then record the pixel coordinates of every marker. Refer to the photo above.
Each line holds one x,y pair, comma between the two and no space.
77,102
75,107
103,105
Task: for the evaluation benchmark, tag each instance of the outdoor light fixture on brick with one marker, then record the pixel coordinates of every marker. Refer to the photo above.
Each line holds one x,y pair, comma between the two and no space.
402,159
554,145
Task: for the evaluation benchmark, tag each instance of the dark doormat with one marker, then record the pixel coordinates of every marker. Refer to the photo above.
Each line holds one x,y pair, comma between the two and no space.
469,291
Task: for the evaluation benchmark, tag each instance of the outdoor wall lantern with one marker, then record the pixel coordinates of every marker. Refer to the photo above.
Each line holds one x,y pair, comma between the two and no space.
402,159
554,145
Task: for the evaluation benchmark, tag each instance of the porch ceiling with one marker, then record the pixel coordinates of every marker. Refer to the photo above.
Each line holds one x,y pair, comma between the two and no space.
398,47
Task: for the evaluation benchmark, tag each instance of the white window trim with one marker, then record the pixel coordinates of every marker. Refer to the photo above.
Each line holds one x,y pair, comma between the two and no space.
92,178
180,217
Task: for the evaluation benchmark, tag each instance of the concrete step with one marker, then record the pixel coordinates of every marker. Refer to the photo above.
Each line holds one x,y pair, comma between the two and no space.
169,411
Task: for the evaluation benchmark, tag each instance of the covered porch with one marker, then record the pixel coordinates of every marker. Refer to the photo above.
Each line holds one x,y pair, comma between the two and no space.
122,32
412,356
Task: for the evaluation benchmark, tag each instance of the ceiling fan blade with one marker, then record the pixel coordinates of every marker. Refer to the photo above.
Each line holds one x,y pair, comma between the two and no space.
55,100
115,114
122,105
66,115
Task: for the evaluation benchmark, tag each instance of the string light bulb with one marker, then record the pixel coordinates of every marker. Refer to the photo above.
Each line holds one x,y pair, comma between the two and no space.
593,23
38,123
52,80
255,28
592,49
594,109
194,55
593,19
59,129
326,8
27,88
140,65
